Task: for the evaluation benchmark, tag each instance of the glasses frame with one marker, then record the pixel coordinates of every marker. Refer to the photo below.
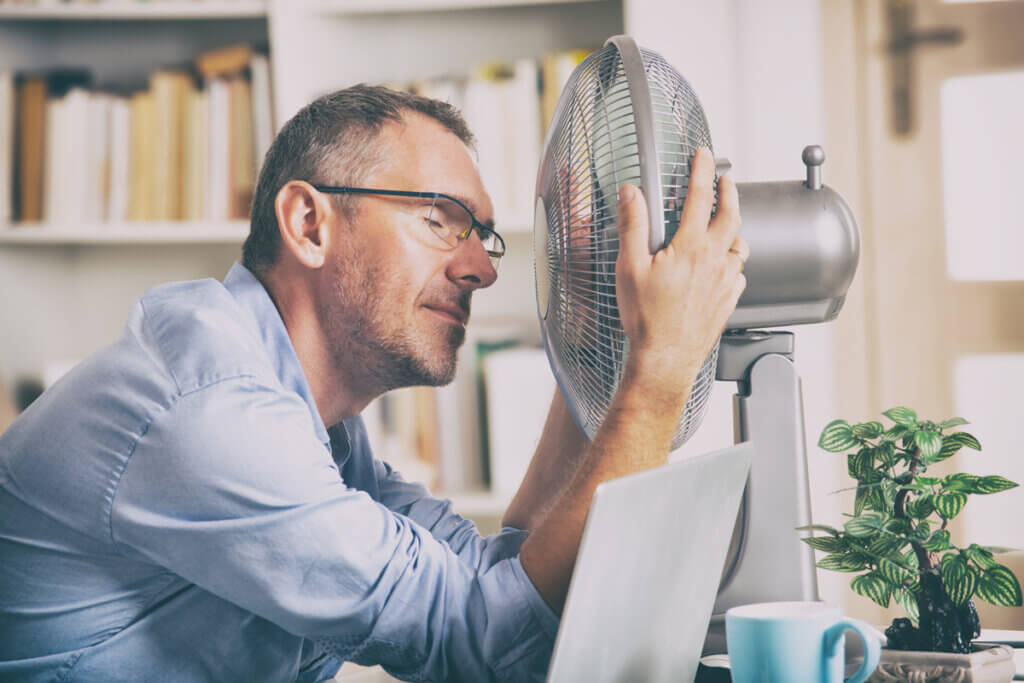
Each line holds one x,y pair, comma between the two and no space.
482,229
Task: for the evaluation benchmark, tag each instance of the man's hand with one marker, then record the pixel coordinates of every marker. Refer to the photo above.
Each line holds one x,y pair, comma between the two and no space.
674,304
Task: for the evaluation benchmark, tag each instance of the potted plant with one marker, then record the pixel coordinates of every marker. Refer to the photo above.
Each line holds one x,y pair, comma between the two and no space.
898,543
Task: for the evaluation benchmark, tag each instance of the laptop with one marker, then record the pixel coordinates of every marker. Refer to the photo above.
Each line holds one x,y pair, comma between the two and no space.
648,571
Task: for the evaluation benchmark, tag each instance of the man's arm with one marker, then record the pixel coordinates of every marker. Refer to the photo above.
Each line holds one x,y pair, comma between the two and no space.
558,454
673,305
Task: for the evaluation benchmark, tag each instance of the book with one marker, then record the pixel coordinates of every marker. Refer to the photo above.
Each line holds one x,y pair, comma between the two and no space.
407,434
143,131
120,159
522,139
556,68
219,190
30,142
242,166
66,160
196,167
96,179
171,91
263,127
8,104
487,100
519,386
230,60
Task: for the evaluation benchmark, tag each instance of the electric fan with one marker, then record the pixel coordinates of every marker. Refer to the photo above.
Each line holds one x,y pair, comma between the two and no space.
627,116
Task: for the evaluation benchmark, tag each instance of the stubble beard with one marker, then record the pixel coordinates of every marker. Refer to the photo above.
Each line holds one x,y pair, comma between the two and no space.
369,342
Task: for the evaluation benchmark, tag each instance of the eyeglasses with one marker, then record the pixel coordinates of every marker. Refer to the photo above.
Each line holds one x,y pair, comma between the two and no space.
447,217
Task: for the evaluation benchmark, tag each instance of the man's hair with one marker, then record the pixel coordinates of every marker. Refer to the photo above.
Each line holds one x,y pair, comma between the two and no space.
332,141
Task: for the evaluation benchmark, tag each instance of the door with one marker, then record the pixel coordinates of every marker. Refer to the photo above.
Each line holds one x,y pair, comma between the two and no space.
938,138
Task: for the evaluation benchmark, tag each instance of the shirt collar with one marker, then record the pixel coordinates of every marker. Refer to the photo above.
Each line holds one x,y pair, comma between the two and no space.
253,296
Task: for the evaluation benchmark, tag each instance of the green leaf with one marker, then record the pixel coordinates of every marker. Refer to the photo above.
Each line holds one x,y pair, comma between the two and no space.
910,559
887,454
818,527
864,525
922,531
843,562
860,500
827,544
998,586
993,484
927,481
961,481
952,569
861,463
897,526
953,422
930,443
902,416
908,601
895,573
998,549
960,580
950,503
937,542
894,433
981,557
872,586
952,443
868,430
876,500
920,507
837,437
886,544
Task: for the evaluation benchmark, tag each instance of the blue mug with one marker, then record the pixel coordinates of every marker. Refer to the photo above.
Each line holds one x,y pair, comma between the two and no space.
794,642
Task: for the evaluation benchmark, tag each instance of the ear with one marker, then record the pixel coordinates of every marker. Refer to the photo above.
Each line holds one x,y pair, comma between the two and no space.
303,221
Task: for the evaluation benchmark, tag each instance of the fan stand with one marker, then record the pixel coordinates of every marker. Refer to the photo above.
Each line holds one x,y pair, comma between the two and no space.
767,562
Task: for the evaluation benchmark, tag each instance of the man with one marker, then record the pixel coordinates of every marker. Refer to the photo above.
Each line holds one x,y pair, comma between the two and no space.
198,501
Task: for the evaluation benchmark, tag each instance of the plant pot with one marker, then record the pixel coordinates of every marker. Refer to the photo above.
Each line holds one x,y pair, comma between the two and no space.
987,663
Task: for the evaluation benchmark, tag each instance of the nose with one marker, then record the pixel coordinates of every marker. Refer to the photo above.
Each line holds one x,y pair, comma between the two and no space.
471,267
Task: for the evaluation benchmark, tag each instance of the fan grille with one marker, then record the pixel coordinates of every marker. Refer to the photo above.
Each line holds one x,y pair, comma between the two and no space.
591,150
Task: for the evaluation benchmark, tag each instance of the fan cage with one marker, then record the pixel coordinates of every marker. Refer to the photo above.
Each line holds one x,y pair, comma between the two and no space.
591,150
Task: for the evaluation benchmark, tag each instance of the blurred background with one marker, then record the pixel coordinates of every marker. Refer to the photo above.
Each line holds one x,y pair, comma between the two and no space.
131,134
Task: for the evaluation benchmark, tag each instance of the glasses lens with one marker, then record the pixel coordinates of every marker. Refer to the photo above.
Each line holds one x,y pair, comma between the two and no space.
453,223
449,221
494,246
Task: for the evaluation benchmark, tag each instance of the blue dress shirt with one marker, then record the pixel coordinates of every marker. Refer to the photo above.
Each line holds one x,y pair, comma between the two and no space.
175,509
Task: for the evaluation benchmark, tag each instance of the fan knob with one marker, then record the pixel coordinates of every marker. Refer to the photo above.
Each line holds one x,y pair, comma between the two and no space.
814,157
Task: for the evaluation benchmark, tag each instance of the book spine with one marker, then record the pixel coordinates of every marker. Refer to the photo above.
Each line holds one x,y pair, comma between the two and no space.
8,109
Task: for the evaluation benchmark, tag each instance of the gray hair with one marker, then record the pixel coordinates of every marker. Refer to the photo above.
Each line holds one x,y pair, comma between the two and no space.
331,141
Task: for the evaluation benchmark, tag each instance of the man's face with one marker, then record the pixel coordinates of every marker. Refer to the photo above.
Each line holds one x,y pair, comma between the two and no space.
395,298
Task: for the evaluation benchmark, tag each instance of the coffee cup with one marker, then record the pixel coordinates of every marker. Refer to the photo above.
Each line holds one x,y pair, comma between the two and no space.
794,642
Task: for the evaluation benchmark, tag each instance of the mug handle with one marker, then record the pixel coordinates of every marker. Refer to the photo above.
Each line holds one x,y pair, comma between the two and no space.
872,648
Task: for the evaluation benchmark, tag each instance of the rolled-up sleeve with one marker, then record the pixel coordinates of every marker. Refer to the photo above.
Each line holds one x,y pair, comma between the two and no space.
435,514
230,489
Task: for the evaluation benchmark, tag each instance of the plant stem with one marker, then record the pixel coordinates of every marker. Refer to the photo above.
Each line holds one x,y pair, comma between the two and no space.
923,561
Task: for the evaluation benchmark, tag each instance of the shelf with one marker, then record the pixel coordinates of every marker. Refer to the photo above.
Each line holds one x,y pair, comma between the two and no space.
392,6
207,9
196,232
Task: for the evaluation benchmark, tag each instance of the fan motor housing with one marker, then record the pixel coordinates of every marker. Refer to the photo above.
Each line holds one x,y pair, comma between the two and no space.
804,249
